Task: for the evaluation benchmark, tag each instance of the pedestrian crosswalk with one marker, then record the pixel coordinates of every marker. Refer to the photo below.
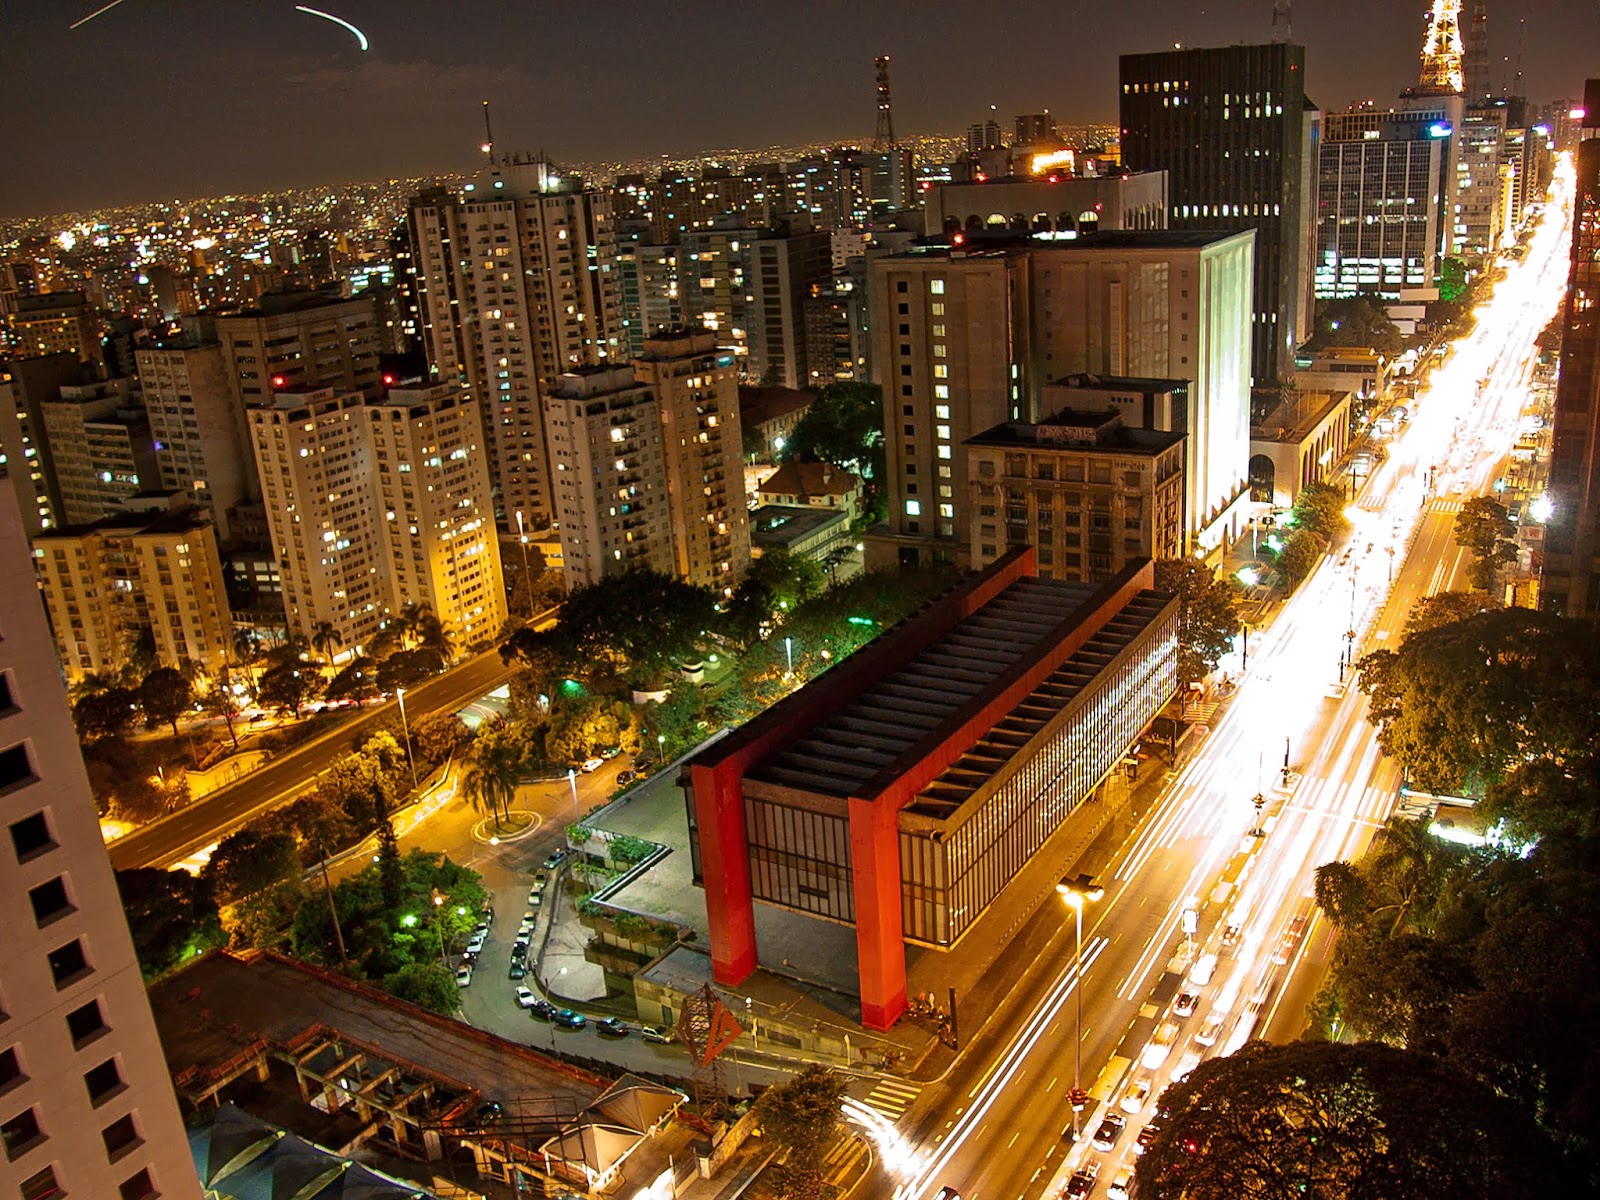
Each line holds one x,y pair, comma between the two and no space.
892,1097
1444,504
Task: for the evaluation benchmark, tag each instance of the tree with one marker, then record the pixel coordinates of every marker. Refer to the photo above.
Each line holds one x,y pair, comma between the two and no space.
776,584
1443,608
492,772
107,713
217,699
843,426
171,914
581,728
165,695
407,668
287,686
439,735
1320,508
547,655
250,860
1460,703
357,680
1299,555
1208,615
427,985
321,823
1358,322
1337,1122
325,639
638,622
1485,528
802,1116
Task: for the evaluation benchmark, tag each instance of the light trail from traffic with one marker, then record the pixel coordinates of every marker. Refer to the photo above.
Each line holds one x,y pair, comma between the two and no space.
1348,788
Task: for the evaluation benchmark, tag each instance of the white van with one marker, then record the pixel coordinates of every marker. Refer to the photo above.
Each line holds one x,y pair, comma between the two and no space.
1204,968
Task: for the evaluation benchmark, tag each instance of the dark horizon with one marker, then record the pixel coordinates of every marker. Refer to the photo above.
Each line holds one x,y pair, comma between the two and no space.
182,99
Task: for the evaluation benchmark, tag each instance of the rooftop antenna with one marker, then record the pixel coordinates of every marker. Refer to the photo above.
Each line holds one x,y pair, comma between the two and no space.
884,139
488,136
1281,26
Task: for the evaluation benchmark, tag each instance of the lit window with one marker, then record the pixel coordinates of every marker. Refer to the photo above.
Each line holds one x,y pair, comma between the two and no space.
936,287
941,411
944,451
940,371
913,508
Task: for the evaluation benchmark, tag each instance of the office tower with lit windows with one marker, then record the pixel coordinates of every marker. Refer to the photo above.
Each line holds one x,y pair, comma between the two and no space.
314,458
696,386
100,447
199,431
1570,577
1231,127
608,470
51,322
87,1106
108,583
431,474
517,283
650,300
26,384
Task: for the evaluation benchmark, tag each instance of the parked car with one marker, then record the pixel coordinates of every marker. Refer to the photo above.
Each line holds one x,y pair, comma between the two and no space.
657,1035
1110,1130
540,879
542,1010
626,776
1137,1096
1121,1185
1082,1181
481,929
475,943
535,899
592,764
525,997
568,1019
519,969
1146,1135
555,859
612,1027
519,950
463,975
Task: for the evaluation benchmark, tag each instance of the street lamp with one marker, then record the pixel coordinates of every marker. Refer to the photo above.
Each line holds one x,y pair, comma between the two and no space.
523,538
405,728
788,653
1076,892
572,778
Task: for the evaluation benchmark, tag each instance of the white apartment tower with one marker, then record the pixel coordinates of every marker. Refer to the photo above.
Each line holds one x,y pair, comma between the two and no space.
608,474
200,444
86,1102
696,385
432,478
313,453
517,283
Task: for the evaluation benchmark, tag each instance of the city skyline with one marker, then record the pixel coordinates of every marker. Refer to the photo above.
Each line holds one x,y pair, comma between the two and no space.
411,103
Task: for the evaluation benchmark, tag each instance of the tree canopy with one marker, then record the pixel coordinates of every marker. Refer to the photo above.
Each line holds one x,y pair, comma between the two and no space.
1340,1122
1299,555
250,860
165,695
1208,615
172,915
1320,508
843,426
1484,527
287,686
634,624
109,712
802,1115
1355,321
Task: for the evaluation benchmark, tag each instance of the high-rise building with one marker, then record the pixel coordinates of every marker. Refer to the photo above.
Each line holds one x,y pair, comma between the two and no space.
314,457
432,487
51,322
199,429
25,386
89,1108
1382,220
1570,581
294,341
1035,129
107,582
696,386
609,474
100,447
650,300
1230,127
517,282
1484,181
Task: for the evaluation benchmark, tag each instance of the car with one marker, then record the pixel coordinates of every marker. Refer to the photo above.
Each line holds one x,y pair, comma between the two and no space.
463,975
612,1027
470,957
626,776
948,1193
592,764
1230,935
1184,1005
1160,1046
1186,1064
555,859
1121,1185
525,928
1110,1130
519,950
568,1019
535,899
481,929
488,913
525,997
1082,1181
1146,1135
518,970
611,752
1210,1030
542,1010
1200,974
1137,1095
475,944
540,879
657,1035
1290,941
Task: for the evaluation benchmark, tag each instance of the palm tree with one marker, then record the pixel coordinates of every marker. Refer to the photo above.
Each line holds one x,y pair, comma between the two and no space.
490,776
1411,864
325,638
247,649
428,630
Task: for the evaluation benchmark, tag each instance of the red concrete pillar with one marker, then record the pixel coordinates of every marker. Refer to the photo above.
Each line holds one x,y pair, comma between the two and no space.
880,930
725,867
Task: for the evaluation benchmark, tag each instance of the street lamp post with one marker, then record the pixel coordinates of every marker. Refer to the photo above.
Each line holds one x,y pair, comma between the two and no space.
788,653
572,778
1076,892
523,538
405,728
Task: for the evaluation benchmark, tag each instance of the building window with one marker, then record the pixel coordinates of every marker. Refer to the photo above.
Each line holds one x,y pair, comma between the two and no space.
138,1187
68,963
913,508
936,287
10,1069
15,766
41,1185
120,1136
103,1082
21,1134
85,1024
31,837
50,901
901,286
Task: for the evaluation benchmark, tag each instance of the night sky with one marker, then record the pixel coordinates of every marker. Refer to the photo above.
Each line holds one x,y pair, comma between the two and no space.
174,98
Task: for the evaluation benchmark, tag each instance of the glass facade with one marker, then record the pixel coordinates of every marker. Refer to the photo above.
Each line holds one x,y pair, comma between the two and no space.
949,876
800,859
